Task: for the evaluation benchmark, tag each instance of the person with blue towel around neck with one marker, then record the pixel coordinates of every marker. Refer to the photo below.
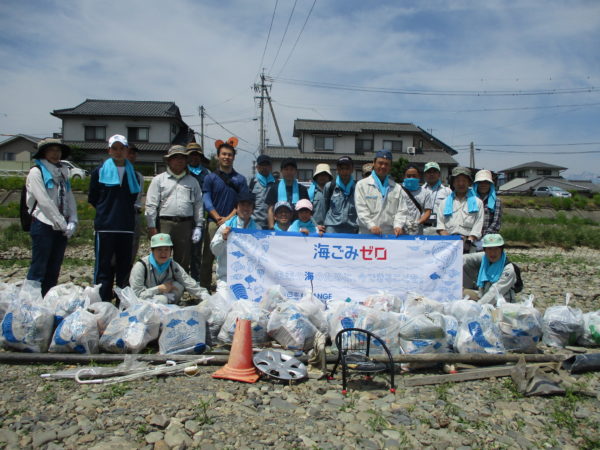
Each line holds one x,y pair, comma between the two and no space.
493,272
305,223
158,278
113,191
53,209
462,211
492,205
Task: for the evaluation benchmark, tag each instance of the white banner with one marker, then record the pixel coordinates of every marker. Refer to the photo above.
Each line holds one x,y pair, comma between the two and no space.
338,266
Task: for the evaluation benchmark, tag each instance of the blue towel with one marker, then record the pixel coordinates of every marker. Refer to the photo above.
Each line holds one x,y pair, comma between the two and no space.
264,181
345,188
491,199
310,226
233,223
48,178
490,272
109,175
195,170
282,192
311,191
383,187
160,268
471,203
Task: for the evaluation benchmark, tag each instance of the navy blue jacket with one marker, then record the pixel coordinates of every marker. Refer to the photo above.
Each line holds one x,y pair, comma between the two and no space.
114,204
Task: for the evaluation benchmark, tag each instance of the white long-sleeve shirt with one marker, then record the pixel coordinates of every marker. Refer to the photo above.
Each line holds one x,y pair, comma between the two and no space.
461,221
47,200
375,210
174,198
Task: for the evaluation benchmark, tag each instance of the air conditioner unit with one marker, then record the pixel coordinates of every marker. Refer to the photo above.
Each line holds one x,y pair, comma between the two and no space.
410,150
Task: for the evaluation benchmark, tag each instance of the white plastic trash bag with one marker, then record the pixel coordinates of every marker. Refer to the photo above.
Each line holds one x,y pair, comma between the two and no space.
450,326
8,294
244,309
291,328
421,334
183,332
273,297
520,324
479,335
314,310
383,301
76,333
415,304
131,330
463,310
591,330
103,312
65,298
562,325
28,324
215,310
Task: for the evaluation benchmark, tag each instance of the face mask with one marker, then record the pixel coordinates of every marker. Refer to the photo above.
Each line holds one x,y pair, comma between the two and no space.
412,184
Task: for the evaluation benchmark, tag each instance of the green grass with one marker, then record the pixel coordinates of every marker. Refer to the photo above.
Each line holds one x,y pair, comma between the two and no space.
85,211
557,203
202,412
13,236
114,391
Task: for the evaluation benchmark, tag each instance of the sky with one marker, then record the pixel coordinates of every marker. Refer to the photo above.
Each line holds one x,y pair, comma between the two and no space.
520,79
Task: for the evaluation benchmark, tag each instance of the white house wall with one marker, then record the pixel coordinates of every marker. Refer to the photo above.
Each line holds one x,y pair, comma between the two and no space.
159,130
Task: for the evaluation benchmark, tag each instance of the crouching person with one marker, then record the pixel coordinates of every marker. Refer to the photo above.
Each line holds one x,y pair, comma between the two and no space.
158,277
218,245
493,272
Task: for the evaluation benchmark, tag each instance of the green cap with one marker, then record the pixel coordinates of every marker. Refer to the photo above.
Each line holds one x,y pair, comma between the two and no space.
493,240
432,165
161,240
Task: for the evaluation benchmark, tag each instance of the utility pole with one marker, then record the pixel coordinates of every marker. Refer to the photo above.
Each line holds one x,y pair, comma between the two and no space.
263,89
202,126
472,162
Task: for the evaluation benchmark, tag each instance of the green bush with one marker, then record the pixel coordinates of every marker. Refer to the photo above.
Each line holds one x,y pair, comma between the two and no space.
80,184
9,210
12,183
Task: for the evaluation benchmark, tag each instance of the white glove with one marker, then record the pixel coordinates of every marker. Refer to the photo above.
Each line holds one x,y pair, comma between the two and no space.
170,297
70,231
197,235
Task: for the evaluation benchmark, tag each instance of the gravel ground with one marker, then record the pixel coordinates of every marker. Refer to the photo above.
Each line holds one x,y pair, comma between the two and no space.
182,412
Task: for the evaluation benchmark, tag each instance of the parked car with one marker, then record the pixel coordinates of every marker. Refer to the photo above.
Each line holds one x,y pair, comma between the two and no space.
550,191
75,172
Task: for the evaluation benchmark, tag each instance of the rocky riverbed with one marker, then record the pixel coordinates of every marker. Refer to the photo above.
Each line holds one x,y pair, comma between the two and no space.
199,411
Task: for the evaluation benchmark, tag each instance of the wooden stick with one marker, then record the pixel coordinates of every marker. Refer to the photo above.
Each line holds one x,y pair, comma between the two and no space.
476,374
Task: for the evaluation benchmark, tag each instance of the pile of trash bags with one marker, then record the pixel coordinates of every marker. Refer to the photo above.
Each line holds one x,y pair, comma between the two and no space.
71,318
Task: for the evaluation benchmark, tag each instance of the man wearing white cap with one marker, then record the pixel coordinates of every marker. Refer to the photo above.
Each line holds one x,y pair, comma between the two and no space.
377,199
114,188
174,205
321,177
486,191
437,191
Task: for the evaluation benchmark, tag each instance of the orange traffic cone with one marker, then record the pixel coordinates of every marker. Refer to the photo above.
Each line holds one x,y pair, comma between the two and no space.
240,366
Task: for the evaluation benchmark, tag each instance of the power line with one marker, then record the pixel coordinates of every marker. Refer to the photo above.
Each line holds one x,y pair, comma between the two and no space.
532,152
464,93
237,148
229,131
284,33
298,38
532,145
268,36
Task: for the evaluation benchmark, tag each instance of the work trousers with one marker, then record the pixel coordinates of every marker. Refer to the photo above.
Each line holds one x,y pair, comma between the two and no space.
181,235
47,253
207,256
112,247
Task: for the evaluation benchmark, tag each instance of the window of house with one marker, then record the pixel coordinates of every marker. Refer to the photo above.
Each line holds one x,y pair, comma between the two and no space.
521,174
323,143
393,146
9,156
93,133
364,145
545,172
305,174
138,134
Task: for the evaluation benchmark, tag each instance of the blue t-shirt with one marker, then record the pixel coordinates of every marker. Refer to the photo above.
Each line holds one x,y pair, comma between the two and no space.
222,197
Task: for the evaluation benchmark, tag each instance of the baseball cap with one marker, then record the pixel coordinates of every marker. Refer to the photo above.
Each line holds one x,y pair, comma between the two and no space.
344,160
264,160
161,240
289,162
492,240
483,175
432,165
384,154
462,171
282,205
246,197
117,138
304,204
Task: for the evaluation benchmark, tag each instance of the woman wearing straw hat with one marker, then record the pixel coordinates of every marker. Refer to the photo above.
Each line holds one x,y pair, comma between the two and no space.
158,278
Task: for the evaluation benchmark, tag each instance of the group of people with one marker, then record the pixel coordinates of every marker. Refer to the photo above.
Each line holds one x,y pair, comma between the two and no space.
190,211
